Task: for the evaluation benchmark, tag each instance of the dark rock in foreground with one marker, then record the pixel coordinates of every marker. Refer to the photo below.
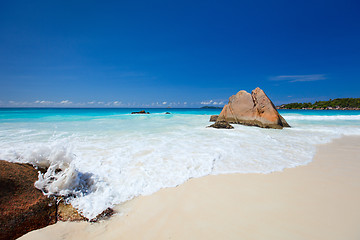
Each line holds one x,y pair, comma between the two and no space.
140,112
221,124
23,208
254,109
167,113
213,118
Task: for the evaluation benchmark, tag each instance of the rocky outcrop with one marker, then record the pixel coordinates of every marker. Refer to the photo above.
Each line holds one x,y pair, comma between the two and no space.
221,124
107,213
213,118
254,109
23,208
140,112
66,212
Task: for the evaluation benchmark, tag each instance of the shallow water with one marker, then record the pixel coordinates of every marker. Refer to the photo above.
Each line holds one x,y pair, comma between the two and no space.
108,156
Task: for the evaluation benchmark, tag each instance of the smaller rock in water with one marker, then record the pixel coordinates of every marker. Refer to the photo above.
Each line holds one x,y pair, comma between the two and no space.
140,112
167,113
221,124
213,118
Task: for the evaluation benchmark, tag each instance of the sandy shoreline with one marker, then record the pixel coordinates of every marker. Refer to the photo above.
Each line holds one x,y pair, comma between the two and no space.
317,201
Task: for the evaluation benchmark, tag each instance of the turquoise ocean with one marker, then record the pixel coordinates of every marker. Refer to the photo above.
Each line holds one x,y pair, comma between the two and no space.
98,158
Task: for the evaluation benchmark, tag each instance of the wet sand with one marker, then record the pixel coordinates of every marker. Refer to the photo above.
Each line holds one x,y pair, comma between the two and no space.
316,201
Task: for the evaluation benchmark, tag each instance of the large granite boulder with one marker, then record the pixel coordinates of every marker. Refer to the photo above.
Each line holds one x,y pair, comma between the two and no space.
23,208
254,109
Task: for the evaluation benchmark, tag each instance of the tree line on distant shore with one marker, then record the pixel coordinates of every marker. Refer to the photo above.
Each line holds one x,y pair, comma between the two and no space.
338,103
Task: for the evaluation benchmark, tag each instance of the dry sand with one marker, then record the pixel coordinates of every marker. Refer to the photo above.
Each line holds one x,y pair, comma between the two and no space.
317,201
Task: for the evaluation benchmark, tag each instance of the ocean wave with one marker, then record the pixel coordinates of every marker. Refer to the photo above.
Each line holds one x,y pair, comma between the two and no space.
97,164
322,117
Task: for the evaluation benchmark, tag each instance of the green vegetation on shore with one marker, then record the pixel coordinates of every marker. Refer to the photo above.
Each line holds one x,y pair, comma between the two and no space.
338,103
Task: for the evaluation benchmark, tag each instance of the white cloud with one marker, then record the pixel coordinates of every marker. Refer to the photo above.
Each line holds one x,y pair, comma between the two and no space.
43,102
207,102
212,102
299,78
65,102
114,103
15,103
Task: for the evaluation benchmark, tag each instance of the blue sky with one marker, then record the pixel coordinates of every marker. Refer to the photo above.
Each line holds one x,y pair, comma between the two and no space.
176,53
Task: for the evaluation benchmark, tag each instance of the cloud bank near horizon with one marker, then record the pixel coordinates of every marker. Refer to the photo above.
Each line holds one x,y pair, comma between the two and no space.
106,104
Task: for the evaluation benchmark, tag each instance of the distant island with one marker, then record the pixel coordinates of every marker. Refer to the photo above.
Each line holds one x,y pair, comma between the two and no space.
211,107
332,104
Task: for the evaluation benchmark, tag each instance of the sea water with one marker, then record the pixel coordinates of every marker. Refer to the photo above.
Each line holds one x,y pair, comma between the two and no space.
98,158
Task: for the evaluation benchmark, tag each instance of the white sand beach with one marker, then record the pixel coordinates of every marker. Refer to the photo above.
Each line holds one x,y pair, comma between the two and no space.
316,201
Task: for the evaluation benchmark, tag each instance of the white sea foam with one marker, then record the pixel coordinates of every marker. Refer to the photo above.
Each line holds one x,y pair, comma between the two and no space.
322,117
106,161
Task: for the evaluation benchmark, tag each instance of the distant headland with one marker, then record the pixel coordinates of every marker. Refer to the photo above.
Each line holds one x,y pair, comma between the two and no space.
332,104
211,107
